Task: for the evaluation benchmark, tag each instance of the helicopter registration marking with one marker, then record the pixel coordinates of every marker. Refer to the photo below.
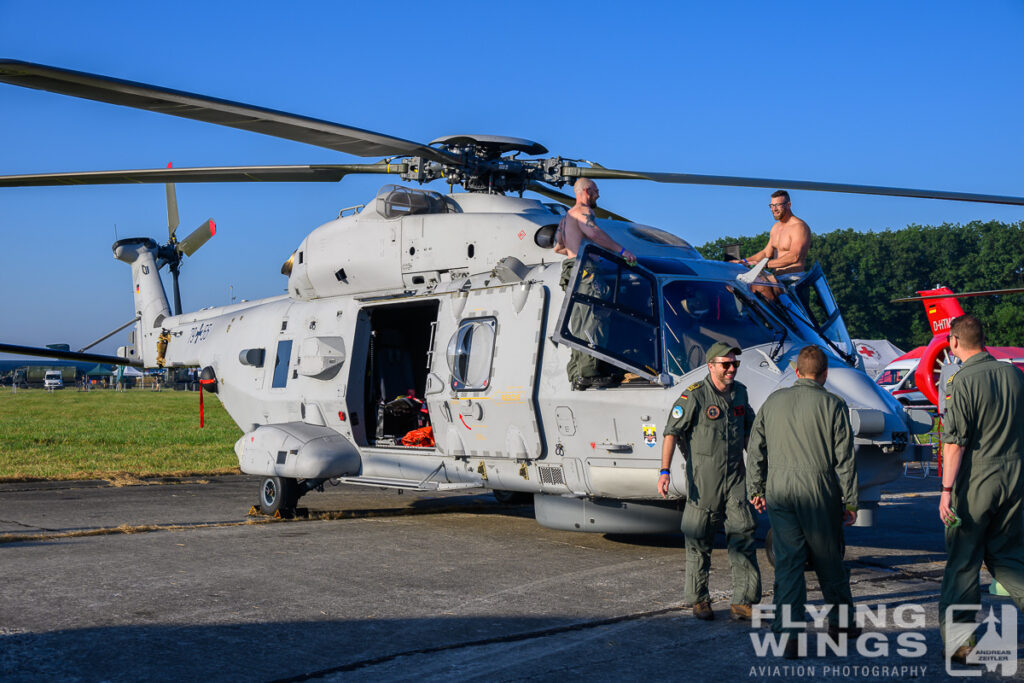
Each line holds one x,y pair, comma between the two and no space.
199,333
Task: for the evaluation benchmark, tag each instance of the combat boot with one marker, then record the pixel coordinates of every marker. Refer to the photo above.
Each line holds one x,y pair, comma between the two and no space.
702,610
741,612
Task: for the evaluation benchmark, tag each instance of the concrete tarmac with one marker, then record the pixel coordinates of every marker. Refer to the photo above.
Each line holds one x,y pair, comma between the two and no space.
174,581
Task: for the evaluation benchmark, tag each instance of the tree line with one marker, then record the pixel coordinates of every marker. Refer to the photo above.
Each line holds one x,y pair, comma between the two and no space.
868,269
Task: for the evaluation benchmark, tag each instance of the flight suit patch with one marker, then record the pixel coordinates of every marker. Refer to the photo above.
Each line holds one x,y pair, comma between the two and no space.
739,411
713,412
677,411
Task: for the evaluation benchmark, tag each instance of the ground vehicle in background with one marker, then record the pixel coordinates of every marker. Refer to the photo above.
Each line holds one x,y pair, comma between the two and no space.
52,380
898,380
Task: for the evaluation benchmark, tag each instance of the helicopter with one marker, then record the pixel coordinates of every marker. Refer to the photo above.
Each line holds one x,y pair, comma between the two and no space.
453,302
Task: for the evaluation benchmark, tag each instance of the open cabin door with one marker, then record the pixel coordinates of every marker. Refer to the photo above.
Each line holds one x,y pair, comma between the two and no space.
482,388
611,312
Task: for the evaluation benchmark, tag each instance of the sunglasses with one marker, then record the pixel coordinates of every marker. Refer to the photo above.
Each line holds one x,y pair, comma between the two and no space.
726,364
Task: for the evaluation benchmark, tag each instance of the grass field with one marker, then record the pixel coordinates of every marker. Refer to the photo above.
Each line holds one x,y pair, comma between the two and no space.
104,434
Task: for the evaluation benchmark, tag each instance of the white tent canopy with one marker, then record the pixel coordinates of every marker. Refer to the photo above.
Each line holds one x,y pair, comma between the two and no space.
876,353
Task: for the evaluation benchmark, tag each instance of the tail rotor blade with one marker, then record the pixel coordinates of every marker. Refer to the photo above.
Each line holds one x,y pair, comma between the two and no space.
197,238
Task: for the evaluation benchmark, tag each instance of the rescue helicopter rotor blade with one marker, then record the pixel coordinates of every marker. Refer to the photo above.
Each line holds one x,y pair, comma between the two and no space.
990,292
319,173
341,138
569,201
197,238
738,181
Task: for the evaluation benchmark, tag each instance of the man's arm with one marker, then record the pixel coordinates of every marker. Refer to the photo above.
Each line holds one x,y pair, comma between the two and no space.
595,234
846,466
668,447
952,456
955,438
757,463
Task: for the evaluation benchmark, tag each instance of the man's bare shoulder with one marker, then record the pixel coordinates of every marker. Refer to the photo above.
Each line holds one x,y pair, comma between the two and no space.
798,224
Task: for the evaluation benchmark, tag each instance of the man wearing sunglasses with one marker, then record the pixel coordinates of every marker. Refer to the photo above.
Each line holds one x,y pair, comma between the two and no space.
788,241
800,468
710,422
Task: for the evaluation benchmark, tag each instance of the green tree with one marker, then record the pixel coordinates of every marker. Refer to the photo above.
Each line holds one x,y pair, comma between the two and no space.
868,269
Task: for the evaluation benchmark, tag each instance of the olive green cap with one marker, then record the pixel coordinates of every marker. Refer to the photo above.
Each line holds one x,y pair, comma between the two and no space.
720,349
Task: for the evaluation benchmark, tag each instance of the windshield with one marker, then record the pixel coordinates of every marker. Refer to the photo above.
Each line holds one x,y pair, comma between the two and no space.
700,313
890,377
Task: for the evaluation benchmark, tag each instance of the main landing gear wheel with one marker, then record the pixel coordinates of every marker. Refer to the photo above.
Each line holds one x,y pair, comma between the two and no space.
278,494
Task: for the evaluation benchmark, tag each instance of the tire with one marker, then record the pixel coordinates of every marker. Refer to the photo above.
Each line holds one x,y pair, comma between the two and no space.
513,497
278,494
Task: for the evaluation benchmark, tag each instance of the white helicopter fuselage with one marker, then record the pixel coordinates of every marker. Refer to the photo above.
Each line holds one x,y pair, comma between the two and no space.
459,299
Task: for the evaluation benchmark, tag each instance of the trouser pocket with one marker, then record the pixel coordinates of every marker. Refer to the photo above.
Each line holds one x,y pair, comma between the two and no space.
696,521
739,517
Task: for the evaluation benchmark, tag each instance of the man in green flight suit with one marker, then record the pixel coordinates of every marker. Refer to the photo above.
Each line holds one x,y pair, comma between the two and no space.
800,468
711,422
982,482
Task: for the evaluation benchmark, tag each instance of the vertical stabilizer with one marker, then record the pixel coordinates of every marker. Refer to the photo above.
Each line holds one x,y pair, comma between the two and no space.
150,298
941,312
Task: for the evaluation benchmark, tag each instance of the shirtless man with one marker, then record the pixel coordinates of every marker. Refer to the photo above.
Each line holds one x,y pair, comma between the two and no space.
788,241
584,370
579,224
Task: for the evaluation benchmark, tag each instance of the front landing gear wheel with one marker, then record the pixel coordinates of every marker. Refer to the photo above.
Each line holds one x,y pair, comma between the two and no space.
278,494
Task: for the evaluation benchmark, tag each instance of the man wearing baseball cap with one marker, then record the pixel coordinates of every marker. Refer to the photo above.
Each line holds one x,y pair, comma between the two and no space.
710,422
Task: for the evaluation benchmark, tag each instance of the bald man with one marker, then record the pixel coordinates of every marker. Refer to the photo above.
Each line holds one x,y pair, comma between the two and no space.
584,370
579,224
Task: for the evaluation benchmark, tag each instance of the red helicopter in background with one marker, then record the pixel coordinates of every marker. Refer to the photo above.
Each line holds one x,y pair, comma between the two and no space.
913,378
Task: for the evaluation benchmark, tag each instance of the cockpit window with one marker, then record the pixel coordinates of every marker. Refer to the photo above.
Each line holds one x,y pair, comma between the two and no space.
612,313
700,313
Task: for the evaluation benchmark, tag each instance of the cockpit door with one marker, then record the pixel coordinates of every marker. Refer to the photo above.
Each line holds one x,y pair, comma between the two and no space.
611,312
816,296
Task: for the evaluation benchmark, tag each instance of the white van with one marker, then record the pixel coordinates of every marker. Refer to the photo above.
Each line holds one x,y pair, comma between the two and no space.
52,380
898,380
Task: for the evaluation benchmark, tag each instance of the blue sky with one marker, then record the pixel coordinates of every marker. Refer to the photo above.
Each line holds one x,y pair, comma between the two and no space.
913,94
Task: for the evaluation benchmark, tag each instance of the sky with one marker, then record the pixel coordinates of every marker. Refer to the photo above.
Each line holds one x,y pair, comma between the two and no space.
909,94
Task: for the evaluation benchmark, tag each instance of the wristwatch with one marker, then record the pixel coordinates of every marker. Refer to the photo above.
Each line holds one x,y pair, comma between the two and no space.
947,489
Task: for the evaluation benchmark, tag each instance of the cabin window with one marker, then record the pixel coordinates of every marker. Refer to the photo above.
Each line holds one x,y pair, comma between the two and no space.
698,314
284,355
613,312
470,352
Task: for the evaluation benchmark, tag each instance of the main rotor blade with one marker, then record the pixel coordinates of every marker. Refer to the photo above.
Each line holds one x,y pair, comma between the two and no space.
363,143
737,181
563,198
172,210
68,355
965,295
197,238
329,173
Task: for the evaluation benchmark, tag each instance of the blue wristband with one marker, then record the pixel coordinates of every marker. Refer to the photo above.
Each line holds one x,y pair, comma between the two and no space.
622,251
664,472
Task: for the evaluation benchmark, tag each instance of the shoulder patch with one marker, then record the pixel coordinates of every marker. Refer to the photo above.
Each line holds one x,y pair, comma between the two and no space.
950,380
677,411
693,386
